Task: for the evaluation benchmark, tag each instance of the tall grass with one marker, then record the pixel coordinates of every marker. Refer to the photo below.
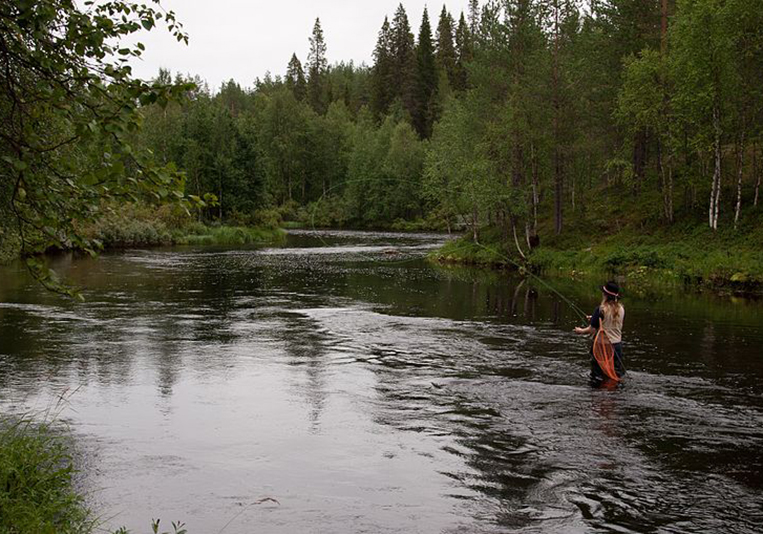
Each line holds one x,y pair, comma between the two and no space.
199,234
37,490
140,225
36,482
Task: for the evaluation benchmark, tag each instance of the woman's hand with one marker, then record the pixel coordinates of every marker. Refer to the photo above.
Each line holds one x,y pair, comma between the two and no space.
579,330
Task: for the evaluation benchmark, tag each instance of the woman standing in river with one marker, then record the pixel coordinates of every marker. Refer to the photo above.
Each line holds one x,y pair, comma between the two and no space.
606,326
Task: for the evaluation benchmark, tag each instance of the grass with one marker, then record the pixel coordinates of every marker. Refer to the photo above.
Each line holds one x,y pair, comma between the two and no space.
141,226
489,252
37,490
36,482
199,234
688,254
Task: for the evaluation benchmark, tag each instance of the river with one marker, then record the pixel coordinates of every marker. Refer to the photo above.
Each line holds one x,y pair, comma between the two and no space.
341,384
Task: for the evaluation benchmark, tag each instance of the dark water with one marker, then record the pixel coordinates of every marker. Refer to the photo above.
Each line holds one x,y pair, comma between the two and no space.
367,391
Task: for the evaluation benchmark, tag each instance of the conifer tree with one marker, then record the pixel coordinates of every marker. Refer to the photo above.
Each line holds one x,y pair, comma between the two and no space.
382,88
426,80
629,26
559,14
474,16
446,53
403,61
295,78
464,53
317,67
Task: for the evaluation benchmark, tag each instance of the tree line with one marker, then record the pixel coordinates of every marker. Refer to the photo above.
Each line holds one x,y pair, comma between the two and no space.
513,113
532,116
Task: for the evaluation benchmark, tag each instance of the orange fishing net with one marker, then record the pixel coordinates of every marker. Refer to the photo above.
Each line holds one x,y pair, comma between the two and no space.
604,353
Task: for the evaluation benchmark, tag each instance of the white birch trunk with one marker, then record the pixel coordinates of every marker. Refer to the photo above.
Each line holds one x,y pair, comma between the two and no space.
740,165
715,191
670,193
536,199
516,240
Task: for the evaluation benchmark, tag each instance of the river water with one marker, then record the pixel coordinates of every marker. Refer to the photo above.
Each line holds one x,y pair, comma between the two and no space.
341,384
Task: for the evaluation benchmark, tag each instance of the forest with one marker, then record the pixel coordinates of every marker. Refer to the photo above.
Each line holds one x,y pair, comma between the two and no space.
528,121
368,380
516,111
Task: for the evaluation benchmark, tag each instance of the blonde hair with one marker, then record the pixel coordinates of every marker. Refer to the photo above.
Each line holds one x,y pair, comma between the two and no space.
611,305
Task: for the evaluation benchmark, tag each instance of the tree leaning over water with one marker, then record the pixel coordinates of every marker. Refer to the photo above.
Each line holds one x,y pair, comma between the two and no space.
68,108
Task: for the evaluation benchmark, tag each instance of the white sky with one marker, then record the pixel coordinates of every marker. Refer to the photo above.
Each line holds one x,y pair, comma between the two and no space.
242,39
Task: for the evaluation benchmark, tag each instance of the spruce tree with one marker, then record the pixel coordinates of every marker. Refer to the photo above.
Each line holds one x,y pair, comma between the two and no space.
317,67
628,26
382,88
426,80
464,54
446,52
474,16
295,78
403,61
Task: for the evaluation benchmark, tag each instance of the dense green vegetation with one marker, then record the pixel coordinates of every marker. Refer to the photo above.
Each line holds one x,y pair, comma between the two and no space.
689,254
570,124
550,121
69,109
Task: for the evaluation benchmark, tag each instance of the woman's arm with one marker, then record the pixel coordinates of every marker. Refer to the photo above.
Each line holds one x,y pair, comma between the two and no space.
587,330
593,321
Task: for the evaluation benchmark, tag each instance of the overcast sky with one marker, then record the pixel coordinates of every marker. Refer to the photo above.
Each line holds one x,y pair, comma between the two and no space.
243,40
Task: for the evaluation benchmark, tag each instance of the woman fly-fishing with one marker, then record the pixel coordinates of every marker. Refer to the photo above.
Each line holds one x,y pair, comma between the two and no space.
606,327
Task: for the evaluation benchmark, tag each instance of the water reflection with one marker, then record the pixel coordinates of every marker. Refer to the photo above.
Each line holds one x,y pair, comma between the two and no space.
369,391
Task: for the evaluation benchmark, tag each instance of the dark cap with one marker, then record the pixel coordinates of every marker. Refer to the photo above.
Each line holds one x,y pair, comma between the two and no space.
611,289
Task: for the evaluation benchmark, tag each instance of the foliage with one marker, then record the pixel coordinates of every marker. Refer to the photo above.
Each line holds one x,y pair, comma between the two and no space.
537,118
68,109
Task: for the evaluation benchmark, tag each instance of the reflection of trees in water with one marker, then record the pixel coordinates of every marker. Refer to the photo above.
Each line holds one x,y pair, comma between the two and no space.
305,345
59,347
169,359
509,302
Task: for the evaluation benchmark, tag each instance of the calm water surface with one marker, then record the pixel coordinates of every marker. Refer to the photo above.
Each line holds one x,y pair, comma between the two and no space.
364,390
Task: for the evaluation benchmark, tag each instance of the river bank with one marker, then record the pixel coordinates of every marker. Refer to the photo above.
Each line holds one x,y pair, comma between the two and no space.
724,261
139,226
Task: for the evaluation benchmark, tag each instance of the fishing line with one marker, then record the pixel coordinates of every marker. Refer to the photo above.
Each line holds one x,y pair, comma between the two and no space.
521,268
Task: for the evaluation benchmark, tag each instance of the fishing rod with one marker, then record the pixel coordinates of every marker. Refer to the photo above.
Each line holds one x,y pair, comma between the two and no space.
525,272
521,268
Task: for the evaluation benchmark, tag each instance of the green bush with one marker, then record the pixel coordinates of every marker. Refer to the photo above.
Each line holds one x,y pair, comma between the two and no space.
329,212
642,256
121,232
267,218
